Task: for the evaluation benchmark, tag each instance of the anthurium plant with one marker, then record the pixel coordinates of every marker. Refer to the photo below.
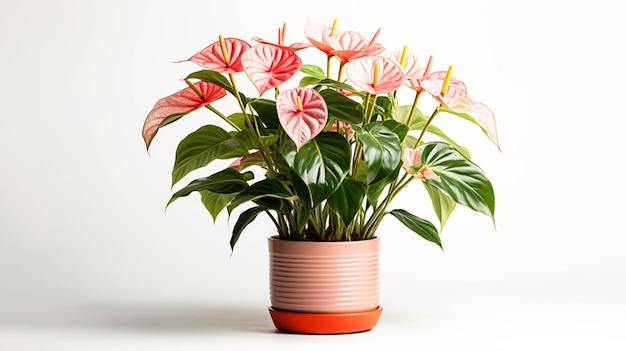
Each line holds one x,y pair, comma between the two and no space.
333,150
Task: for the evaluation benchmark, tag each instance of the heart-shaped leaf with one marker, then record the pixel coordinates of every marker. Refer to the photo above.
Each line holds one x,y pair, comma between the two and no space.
342,108
347,200
269,66
227,181
382,151
212,77
266,188
460,178
201,147
419,122
322,164
214,202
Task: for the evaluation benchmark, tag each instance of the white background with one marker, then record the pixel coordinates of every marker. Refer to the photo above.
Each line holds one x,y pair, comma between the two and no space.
89,260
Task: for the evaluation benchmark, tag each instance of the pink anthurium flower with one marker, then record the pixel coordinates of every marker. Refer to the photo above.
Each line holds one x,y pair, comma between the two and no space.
375,74
172,107
412,164
351,45
346,46
343,128
240,162
457,99
302,112
414,68
269,66
224,58
319,35
281,41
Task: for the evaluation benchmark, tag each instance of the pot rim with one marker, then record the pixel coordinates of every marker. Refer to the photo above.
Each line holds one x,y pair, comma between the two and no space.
344,242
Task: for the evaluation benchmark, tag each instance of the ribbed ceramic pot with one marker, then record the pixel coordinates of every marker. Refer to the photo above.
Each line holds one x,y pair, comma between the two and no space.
333,282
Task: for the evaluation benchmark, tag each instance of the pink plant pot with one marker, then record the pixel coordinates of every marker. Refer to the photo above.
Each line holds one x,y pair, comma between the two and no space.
337,282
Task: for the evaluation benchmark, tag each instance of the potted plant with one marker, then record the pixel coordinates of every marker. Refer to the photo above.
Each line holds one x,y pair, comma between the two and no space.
334,147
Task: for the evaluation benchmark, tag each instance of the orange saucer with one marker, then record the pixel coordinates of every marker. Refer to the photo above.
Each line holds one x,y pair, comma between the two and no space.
325,323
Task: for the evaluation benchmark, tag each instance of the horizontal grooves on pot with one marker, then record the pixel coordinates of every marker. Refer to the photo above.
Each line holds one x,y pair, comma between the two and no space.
324,281
323,257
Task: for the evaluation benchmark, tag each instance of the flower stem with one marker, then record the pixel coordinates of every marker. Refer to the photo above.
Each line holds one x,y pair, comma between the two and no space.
268,160
413,108
328,66
430,120
342,66
371,107
195,89
214,110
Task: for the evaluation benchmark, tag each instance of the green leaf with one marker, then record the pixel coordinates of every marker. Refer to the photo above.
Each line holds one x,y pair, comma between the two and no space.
330,83
212,77
384,106
420,226
342,108
374,190
245,218
306,81
268,140
172,118
201,147
461,179
442,204
382,151
322,164
301,189
313,70
467,117
303,211
214,202
266,110
438,132
401,114
400,129
266,188
227,181
246,143
347,200
238,119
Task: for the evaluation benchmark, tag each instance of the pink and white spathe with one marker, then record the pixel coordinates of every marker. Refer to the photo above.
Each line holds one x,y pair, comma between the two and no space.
238,163
346,46
268,66
457,99
343,128
223,59
281,41
412,164
375,74
320,36
179,103
352,45
414,68
302,113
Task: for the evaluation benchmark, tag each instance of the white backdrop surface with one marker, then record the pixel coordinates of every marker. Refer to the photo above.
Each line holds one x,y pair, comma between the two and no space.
89,260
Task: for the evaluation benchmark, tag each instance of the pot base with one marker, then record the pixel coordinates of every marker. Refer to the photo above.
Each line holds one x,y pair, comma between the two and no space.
325,323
